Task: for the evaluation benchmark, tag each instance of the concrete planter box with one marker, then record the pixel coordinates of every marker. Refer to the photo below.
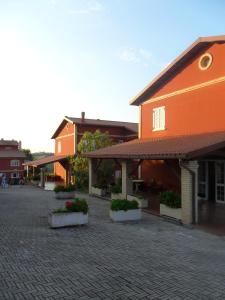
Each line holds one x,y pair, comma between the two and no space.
170,212
35,182
97,191
143,203
122,215
65,195
57,220
117,196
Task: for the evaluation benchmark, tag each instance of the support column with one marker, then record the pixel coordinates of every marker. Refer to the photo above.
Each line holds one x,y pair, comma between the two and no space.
92,173
27,169
33,171
124,179
188,195
42,177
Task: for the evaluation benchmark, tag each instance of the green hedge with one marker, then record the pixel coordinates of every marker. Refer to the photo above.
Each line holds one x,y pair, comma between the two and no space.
116,189
62,188
118,204
170,199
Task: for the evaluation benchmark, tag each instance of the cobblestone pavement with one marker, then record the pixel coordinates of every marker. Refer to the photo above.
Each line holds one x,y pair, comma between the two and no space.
150,259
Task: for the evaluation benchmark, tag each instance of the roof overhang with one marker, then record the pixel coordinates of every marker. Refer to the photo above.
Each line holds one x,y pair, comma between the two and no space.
179,147
164,76
46,160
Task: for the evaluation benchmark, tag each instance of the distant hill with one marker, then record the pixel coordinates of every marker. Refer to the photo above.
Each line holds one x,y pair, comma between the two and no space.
39,155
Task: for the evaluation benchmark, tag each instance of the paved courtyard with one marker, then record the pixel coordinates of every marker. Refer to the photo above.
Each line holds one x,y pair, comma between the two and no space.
150,259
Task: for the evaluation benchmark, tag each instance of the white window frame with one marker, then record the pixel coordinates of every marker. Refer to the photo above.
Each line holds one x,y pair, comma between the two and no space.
59,147
15,177
158,118
14,163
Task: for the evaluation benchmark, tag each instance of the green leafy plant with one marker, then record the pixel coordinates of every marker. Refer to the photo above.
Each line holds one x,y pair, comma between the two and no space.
90,142
36,177
77,205
116,189
123,204
170,199
62,188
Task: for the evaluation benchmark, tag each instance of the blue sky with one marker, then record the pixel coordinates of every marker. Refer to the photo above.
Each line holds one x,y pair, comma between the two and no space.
61,57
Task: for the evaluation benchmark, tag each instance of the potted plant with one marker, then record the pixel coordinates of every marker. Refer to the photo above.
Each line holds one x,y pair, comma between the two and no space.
116,192
98,190
64,192
143,203
124,210
35,179
170,204
74,213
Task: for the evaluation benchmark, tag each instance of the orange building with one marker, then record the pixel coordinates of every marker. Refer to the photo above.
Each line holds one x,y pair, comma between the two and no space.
68,135
182,128
71,130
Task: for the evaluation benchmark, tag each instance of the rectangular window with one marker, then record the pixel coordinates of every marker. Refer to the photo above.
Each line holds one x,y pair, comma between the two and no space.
15,175
158,118
15,163
59,147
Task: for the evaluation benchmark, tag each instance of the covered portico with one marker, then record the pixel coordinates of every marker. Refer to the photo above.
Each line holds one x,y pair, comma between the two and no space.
41,163
187,151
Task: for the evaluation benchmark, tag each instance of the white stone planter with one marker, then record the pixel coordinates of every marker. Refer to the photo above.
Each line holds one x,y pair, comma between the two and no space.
57,220
142,203
117,196
122,215
97,191
170,212
35,182
65,195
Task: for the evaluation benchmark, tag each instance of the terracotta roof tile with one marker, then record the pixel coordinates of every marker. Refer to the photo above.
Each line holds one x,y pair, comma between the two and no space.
45,160
185,147
11,154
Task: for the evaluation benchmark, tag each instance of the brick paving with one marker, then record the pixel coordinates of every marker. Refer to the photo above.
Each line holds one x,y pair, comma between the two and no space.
149,259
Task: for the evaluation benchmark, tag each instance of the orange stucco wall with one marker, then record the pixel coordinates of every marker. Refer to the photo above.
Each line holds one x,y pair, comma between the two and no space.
198,111
66,138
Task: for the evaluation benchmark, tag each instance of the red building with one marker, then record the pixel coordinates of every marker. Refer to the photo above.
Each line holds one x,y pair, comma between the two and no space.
181,143
69,133
71,130
11,160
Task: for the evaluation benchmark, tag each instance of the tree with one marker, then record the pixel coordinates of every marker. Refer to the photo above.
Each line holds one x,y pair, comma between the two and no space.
89,142
28,154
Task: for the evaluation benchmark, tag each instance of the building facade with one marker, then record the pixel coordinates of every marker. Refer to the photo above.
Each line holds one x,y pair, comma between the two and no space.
11,160
182,129
71,130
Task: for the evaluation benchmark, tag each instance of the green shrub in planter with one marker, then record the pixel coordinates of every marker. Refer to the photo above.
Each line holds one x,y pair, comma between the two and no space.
62,188
116,189
77,205
124,204
170,199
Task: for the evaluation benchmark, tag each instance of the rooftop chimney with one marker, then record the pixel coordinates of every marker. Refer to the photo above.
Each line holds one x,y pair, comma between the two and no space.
82,116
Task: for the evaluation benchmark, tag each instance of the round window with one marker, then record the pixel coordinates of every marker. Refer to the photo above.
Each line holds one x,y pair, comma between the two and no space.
205,61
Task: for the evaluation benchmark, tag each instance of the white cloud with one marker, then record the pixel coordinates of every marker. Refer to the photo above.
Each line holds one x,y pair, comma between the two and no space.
90,7
138,55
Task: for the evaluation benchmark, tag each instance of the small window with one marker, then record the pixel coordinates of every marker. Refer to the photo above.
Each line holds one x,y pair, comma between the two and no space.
158,118
205,61
15,163
15,175
59,147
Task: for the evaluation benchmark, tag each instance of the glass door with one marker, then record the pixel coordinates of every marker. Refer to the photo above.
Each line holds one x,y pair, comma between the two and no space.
220,182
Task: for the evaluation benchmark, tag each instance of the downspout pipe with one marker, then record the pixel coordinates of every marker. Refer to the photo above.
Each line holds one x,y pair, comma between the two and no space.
193,179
